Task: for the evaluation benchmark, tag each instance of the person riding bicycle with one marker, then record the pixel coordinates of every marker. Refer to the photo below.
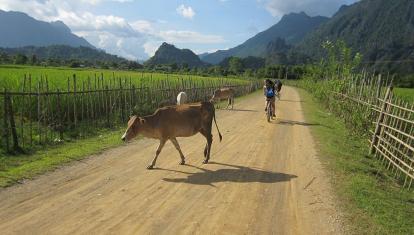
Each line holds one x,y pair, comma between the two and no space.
269,93
278,87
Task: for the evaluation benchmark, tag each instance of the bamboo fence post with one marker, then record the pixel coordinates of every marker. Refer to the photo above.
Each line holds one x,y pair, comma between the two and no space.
30,110
412,160
107,106
67,103
378,92
88,103
82,101
75,118
12,123
23,107
398,122
47,118
380,119
5,123
39,131
59,113
125,99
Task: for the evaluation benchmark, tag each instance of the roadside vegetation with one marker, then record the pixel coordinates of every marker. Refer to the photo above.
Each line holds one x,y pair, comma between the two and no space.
371,199
15,168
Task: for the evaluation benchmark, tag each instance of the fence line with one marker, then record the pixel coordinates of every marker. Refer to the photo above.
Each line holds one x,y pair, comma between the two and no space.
33,117
389,120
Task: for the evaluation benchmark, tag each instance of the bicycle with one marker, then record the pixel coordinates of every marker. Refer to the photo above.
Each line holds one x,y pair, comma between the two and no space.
269,109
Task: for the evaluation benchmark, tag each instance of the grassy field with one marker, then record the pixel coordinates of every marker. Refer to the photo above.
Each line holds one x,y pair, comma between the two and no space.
15,168
406,94
12,77
372,201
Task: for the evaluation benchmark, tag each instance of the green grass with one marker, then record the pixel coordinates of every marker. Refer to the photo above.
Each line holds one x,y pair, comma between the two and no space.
12,77
371,200
406,94
14,168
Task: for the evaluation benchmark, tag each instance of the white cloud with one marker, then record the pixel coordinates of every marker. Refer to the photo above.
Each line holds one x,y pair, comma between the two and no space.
133,40
312,7
175,36
186,12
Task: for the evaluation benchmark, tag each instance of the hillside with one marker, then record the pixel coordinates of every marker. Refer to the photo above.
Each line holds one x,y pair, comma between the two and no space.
19,30
292,28
63,53
382,30
169,54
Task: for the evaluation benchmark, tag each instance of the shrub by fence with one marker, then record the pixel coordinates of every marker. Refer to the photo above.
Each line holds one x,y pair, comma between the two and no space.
368,106
35,117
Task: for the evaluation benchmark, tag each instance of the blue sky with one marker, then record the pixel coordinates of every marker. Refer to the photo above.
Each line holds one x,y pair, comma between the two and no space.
135,28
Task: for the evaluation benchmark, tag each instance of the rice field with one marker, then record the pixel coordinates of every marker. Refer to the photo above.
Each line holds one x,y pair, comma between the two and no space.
12,77
406,94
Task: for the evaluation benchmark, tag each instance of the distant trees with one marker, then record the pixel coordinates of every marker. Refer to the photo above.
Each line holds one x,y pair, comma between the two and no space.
20,59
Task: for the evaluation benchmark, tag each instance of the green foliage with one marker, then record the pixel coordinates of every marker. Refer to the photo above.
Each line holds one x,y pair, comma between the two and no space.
382,30
371,201
406,94
340,62
11,77
60,55
235,65
20,59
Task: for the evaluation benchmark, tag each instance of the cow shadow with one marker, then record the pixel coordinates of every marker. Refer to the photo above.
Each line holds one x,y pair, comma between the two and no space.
235,174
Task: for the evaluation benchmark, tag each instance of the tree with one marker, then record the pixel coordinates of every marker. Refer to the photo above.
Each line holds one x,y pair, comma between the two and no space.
235,65
33,59
20,59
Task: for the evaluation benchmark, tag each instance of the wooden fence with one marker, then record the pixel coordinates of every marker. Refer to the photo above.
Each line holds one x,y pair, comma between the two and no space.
390,122
40,116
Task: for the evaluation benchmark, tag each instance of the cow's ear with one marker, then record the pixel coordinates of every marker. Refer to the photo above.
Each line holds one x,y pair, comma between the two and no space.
142,121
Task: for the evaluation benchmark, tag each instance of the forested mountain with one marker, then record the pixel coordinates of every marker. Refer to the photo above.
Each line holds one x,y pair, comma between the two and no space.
17,29
168,54
291,28
63,53
382,30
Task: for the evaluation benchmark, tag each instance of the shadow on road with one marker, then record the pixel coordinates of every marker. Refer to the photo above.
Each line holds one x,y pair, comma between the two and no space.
243,110
291,123
293,101
238,174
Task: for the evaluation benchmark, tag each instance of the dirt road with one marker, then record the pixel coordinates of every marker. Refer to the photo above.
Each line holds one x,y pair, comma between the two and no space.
263,179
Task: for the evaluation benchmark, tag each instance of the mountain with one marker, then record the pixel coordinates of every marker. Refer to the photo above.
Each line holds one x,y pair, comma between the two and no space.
382,30
62,52
292,28
169,54
19,30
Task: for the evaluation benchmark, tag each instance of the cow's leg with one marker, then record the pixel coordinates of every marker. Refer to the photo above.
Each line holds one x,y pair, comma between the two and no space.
232,102
228,102
209,138
177,146
162,143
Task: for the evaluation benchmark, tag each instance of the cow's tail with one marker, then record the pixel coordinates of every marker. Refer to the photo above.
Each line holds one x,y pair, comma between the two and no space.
214,117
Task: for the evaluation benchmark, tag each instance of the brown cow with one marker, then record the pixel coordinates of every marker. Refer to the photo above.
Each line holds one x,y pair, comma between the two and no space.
224,93
171,122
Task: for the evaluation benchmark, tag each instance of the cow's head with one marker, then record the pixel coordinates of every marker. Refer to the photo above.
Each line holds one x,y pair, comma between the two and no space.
135,124
215,94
